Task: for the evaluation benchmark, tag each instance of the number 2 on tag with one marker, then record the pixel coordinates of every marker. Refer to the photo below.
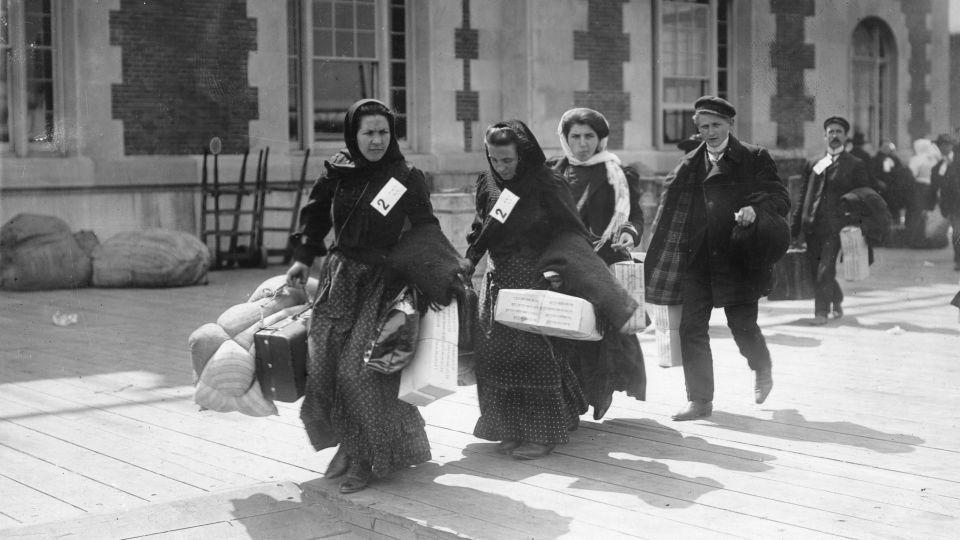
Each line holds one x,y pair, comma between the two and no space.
388,196
501,211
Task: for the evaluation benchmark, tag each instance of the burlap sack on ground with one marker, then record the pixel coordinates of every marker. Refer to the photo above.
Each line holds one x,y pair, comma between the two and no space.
150,258
25,227
38,252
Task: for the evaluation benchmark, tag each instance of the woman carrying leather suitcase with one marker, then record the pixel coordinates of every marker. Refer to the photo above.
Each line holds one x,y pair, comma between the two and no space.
385,237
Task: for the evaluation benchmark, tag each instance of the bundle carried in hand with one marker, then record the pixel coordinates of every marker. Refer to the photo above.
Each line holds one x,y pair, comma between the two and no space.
223,352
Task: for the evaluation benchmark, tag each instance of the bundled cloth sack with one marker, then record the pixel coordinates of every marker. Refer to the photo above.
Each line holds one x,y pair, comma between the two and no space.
38,252
223,352
865,208
151,258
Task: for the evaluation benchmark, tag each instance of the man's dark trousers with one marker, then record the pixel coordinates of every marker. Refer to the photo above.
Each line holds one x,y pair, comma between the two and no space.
695,327
822,250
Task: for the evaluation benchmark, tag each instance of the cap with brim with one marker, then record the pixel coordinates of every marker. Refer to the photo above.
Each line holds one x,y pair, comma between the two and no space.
715,105
839,120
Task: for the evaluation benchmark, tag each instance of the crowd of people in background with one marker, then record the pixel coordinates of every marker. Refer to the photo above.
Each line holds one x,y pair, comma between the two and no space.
923,195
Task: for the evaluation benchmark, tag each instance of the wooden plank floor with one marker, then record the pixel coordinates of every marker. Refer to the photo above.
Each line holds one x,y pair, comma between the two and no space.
859,438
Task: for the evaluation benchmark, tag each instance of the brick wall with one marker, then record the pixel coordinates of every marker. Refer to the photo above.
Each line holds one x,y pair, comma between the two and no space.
184,75
790,107
466,48
605,48
919,35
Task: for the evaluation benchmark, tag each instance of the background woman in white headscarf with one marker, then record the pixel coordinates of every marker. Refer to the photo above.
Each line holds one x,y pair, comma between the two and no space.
921,164
608,199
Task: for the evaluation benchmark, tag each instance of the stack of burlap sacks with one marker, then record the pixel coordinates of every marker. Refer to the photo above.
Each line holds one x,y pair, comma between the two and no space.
224,360
39,252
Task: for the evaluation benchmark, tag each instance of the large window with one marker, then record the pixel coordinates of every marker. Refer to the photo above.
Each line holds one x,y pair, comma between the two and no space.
27,120
874,81
693,52
341,51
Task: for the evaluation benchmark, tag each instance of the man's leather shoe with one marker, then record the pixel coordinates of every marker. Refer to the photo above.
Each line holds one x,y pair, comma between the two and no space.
837,312
338,465
819,320
357,478
762,385
532,450
694,410
505,447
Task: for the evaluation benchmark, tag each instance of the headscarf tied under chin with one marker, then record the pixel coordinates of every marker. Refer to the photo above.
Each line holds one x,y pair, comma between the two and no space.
350,161
615,176
530,157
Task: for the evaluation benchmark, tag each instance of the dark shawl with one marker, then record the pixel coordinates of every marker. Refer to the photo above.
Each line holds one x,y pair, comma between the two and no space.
541,191
408,240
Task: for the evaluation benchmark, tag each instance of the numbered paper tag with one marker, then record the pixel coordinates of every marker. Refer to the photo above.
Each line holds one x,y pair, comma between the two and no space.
822,165
506,202
388,196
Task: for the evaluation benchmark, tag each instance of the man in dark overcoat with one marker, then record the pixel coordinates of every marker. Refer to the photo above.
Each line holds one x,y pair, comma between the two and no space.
719,185
818,218
945,191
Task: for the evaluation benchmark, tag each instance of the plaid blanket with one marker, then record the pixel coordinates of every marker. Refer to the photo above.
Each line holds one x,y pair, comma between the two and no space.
667,255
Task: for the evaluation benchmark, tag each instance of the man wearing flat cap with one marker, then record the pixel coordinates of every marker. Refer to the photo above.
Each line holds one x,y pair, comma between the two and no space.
719,185
945,191
818,219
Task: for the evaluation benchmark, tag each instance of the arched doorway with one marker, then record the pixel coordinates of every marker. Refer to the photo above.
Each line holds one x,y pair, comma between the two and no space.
874,80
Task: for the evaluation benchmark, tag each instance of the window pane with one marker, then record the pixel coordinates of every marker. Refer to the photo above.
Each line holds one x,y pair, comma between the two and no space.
677,125
366,17
343,44
366,44
343,15
322,14
398,46
39,98
336,85
397,18
398,74
322,43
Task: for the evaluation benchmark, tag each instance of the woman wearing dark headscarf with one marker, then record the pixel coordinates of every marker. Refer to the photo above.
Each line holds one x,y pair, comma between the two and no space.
385,237
608,200
529,397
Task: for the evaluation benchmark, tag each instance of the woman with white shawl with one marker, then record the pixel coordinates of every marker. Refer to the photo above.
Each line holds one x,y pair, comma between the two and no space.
921,164
608,200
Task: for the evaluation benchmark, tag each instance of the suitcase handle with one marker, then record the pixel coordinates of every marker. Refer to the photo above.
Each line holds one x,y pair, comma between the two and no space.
280,289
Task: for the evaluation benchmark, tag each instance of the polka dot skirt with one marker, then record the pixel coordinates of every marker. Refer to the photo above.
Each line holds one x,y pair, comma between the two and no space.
344,401
525,386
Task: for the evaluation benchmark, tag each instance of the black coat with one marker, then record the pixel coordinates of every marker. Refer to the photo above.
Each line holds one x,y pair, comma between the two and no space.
745,176
845,174
946,189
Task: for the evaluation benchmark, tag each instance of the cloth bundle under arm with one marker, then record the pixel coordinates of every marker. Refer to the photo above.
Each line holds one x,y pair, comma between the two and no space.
586,276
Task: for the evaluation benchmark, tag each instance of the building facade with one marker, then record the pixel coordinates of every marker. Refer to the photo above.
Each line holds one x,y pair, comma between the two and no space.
107,105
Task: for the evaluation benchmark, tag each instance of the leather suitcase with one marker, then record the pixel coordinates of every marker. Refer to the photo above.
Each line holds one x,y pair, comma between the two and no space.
281,353
791,277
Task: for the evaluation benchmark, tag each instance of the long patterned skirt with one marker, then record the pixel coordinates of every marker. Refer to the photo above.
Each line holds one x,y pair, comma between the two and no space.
345,402
526,389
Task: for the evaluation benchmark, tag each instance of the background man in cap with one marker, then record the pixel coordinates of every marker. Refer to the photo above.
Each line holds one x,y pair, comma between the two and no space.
719,185
818,218
945,190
